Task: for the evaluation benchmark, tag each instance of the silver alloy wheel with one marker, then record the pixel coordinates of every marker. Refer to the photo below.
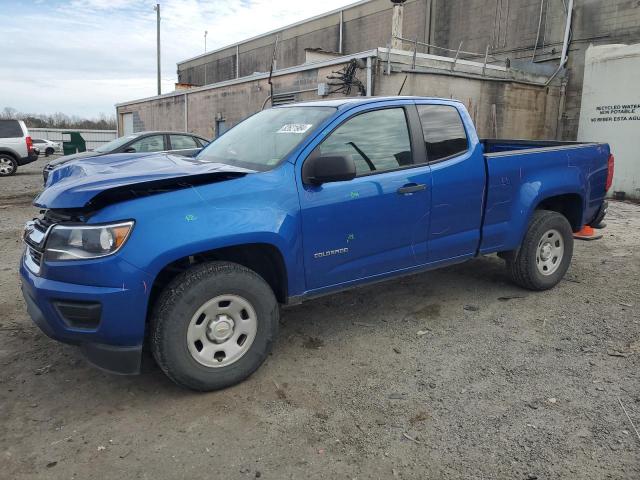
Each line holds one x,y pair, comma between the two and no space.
6,166
222,331
549,252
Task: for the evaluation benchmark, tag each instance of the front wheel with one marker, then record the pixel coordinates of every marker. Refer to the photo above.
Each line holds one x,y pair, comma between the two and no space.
545,253
214,325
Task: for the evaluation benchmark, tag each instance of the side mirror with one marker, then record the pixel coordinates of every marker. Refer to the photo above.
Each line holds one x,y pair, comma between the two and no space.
319,169
130,150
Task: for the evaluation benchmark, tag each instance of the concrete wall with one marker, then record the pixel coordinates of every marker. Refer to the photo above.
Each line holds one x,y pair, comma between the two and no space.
232,103
510,28
365,26
521,111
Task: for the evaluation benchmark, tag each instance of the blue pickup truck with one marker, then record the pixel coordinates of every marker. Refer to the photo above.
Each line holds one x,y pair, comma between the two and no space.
190,258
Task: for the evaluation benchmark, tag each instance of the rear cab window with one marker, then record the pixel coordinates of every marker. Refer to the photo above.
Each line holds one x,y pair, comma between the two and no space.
444,132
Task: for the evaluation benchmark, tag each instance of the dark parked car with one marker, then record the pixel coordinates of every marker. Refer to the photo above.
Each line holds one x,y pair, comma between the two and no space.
142,142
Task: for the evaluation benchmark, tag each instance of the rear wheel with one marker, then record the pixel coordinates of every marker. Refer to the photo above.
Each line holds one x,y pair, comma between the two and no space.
49,151
214,325
545,253
8,165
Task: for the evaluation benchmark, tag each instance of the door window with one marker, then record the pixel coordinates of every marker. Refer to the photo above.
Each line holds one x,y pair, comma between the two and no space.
182,142
377,141
153,143
444,133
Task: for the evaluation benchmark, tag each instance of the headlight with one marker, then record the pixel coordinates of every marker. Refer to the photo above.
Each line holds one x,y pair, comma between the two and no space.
81,242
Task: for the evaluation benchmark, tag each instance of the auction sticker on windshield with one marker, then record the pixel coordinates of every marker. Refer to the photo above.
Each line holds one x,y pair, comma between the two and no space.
295,128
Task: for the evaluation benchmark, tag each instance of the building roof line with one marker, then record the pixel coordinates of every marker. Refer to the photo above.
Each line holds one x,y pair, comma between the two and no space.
277,30
258,76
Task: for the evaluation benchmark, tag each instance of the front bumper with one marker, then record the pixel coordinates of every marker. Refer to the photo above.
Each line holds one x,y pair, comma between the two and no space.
114,342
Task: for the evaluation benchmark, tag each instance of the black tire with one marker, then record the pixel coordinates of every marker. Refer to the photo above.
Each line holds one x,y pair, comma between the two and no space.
522,264
598,221
49,151
8,165
178,304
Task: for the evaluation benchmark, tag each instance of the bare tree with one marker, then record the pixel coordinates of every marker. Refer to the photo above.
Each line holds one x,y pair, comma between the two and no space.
8,113
60,120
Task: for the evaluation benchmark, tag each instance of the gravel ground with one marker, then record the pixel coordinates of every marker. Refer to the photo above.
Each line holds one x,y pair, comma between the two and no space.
450,374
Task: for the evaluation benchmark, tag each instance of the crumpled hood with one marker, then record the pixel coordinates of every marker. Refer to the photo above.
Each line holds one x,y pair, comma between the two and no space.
77,183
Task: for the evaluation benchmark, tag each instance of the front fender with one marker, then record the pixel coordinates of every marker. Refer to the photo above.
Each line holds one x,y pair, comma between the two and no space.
258,208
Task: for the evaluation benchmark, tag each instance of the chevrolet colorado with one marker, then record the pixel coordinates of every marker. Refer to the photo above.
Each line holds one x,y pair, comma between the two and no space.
189,258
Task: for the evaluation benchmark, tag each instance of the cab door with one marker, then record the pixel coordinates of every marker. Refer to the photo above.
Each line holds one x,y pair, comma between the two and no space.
458,180
378,222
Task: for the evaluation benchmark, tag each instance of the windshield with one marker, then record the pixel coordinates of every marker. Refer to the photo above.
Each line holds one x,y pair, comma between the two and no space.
113,144
263,140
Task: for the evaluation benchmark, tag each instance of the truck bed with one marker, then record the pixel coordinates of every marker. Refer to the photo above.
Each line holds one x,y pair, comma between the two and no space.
518,171
501,145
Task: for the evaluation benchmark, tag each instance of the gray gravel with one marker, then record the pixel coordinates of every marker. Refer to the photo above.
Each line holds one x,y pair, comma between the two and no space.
450,374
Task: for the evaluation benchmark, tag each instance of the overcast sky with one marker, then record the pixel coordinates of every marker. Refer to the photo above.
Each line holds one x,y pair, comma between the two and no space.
81,57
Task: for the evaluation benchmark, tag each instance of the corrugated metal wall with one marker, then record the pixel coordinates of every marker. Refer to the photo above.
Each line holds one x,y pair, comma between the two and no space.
94,138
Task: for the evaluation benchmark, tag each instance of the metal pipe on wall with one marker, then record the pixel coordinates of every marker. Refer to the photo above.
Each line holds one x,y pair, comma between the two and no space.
186,113
565,44
535,46
567,32
396,23
340,40
369,77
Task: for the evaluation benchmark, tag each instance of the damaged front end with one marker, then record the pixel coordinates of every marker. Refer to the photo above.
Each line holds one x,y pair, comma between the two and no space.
93,183
77,287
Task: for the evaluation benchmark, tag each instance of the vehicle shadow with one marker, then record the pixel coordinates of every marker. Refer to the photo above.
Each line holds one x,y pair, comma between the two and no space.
388,305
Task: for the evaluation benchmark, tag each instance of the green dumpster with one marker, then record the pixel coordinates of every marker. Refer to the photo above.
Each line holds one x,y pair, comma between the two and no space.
75,144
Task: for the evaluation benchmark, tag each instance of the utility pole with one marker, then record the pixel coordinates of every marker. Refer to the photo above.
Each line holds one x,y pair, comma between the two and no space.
205,41
157,9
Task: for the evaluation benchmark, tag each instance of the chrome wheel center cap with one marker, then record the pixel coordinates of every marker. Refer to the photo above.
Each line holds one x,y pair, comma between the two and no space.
545,252
220,328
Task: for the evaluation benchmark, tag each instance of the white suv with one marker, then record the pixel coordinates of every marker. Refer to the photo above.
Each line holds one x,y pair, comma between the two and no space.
16,147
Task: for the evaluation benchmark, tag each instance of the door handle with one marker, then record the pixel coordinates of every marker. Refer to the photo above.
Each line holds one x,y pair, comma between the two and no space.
411,188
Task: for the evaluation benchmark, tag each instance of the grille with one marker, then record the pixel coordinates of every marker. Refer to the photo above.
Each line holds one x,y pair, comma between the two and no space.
35,255
42,224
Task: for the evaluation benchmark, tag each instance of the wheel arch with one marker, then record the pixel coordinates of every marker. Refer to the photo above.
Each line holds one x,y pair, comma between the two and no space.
10,152
263,258
570,205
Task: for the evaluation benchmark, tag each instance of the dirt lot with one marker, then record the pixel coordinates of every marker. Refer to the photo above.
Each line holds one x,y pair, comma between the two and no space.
500,383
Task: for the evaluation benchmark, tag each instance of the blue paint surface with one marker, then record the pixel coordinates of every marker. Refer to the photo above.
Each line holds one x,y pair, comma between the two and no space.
385,233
